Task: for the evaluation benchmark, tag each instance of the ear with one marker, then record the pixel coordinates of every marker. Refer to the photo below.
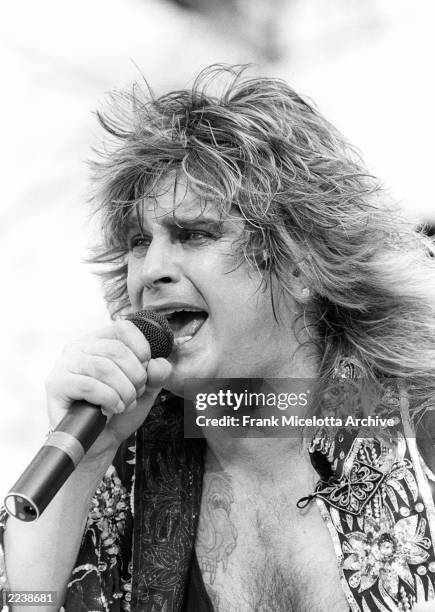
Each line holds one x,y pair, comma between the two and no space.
302,291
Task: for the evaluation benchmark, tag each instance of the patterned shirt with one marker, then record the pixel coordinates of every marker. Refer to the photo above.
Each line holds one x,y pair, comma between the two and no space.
138,543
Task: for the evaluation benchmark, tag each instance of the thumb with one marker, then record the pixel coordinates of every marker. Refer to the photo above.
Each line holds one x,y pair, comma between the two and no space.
158,372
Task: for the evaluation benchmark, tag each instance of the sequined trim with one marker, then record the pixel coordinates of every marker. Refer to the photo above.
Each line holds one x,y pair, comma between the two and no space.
340,557
100,560
417,461
427,470
423,486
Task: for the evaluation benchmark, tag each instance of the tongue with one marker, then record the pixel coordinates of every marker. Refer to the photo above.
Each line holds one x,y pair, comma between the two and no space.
187,323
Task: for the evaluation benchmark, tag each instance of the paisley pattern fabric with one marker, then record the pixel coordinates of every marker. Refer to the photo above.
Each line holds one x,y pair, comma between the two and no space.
139,540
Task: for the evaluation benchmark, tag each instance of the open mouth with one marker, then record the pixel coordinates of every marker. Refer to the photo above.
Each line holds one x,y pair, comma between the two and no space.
185,323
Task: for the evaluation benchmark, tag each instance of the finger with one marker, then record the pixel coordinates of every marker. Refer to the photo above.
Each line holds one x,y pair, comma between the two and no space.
158,372
105,371
80,387
129,334
125,359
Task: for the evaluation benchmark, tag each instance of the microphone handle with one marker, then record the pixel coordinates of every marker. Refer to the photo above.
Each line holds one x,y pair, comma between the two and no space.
55,461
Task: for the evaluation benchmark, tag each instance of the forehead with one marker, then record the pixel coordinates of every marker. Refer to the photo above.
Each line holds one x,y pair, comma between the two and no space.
174,202
177,200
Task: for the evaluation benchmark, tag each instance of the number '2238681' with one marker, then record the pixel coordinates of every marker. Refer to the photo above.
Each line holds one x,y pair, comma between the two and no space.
30,598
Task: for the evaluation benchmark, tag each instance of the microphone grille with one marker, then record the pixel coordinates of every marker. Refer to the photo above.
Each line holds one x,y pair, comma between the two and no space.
156,330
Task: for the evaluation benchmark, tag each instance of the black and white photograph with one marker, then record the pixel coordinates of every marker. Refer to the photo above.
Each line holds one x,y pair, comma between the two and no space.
218,262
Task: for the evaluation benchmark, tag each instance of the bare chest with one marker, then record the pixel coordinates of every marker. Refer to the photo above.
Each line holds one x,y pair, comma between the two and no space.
256,554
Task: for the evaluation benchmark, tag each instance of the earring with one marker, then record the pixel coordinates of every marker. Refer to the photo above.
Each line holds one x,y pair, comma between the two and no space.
347,368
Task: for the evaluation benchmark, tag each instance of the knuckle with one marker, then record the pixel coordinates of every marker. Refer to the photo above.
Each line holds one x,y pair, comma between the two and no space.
131,395
123,327
136,340
138,377
145,352
112,399
86,386
116,349
141,379
99,366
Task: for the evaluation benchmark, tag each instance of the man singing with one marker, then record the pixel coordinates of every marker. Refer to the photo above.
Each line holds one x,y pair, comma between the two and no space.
239,213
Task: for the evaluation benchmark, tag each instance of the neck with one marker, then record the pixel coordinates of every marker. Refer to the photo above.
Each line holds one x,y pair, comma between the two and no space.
270,466
254,452
260,446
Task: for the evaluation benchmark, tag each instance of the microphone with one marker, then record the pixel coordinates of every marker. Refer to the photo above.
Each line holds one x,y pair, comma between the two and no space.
74,435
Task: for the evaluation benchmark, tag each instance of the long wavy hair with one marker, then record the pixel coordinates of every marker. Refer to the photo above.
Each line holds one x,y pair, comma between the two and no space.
309,205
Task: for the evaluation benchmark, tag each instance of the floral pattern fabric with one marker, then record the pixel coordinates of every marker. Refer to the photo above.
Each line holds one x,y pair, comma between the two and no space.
386,552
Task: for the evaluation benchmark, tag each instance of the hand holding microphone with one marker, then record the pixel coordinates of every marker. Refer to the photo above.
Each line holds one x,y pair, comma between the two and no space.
92,399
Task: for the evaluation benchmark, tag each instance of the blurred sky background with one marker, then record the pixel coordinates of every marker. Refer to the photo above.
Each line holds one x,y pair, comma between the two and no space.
367,64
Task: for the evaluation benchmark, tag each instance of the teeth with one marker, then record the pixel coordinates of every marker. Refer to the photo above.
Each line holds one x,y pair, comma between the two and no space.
169,313
182,340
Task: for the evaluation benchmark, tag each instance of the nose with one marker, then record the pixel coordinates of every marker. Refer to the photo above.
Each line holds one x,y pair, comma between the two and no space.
160,266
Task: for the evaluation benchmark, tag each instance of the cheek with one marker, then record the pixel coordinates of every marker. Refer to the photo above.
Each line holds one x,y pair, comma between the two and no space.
133,287
133,278
243,307
130,287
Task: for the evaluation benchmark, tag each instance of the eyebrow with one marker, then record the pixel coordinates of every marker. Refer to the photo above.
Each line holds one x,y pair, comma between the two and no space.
188,222
178,221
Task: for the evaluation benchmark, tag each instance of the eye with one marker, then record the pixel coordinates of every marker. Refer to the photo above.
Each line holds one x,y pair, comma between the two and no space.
139,244
197,236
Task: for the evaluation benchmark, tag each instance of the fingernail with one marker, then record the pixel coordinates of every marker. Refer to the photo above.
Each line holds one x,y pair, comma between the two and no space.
120,407
141,390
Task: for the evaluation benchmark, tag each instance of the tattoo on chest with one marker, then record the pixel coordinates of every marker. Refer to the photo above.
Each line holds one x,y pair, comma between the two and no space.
217,535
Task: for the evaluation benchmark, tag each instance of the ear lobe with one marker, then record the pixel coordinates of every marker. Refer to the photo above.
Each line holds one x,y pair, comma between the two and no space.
302,291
